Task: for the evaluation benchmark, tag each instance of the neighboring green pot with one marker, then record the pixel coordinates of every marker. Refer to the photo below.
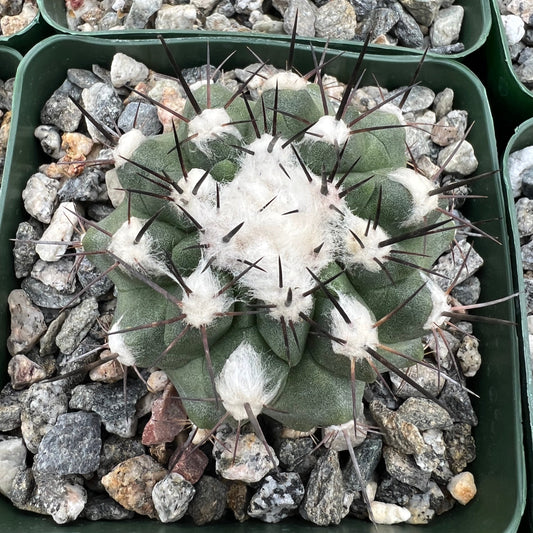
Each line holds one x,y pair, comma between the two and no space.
509,97
476,27
522,138
499,468
24,39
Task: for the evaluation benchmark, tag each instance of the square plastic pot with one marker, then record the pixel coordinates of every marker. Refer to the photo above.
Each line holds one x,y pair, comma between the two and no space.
499,468
474,33
522,138
510,99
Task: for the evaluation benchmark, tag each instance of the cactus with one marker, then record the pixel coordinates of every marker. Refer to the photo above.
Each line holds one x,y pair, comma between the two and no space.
273,256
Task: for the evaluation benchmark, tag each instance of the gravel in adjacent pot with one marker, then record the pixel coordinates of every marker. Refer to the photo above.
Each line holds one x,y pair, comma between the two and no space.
521,177
101,453
15,15
432,23
517,19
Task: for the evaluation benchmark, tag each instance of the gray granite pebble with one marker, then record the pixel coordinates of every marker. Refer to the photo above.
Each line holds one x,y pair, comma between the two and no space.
117,410
336,20
39,197
12,458
90,279
27,323
296,455
43,403
140,115
277,498
77,325
72,446
24,253
62,497
403,467
10,408
367,455
456,399
102,507
83,188
460,446
103,103
424,414
171,497
60,111
391,490
248,462
326,501
43,295
209,501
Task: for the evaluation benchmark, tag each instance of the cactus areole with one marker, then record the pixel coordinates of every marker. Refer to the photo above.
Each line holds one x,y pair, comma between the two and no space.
271,256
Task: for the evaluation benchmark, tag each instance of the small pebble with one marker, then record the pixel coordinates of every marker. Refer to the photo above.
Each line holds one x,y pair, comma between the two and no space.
131,482
388,513
209,501
12,459
462,487
171,497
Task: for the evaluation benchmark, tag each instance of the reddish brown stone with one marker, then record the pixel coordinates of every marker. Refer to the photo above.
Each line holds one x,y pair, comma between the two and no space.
191,464
167,420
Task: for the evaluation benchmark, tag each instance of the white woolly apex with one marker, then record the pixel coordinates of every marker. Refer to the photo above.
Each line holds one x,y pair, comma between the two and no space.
142,256
419,188
285,80
369,253
337,437
195,199
202,306
440,303
329,130
359,334
127,144
244,380
211,124
118,345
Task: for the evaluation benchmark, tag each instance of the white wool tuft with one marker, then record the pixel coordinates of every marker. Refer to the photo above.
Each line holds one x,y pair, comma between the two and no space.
118,345
419,188
209,125
364,256
440,303
259,197
285,81
141,256
202,306
195,204
127,144
359,334
330,130
243,379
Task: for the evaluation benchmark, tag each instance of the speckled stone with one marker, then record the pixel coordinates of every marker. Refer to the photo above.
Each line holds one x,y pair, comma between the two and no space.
72,446
60,111
118,413
171,497
77,324
24,254
460,447
277,498
250,462
326,501
10,408
399,433
403,467
27,323
296,455
62,497
424,414
209,501
367,455
12,458
131,482
102,507
43,403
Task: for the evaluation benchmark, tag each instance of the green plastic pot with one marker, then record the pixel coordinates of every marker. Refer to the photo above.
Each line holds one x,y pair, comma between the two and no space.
510,99
499,469
522,138
476,27
9,62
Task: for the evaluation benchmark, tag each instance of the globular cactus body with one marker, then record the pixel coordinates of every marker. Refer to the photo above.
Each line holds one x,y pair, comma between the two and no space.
272,256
